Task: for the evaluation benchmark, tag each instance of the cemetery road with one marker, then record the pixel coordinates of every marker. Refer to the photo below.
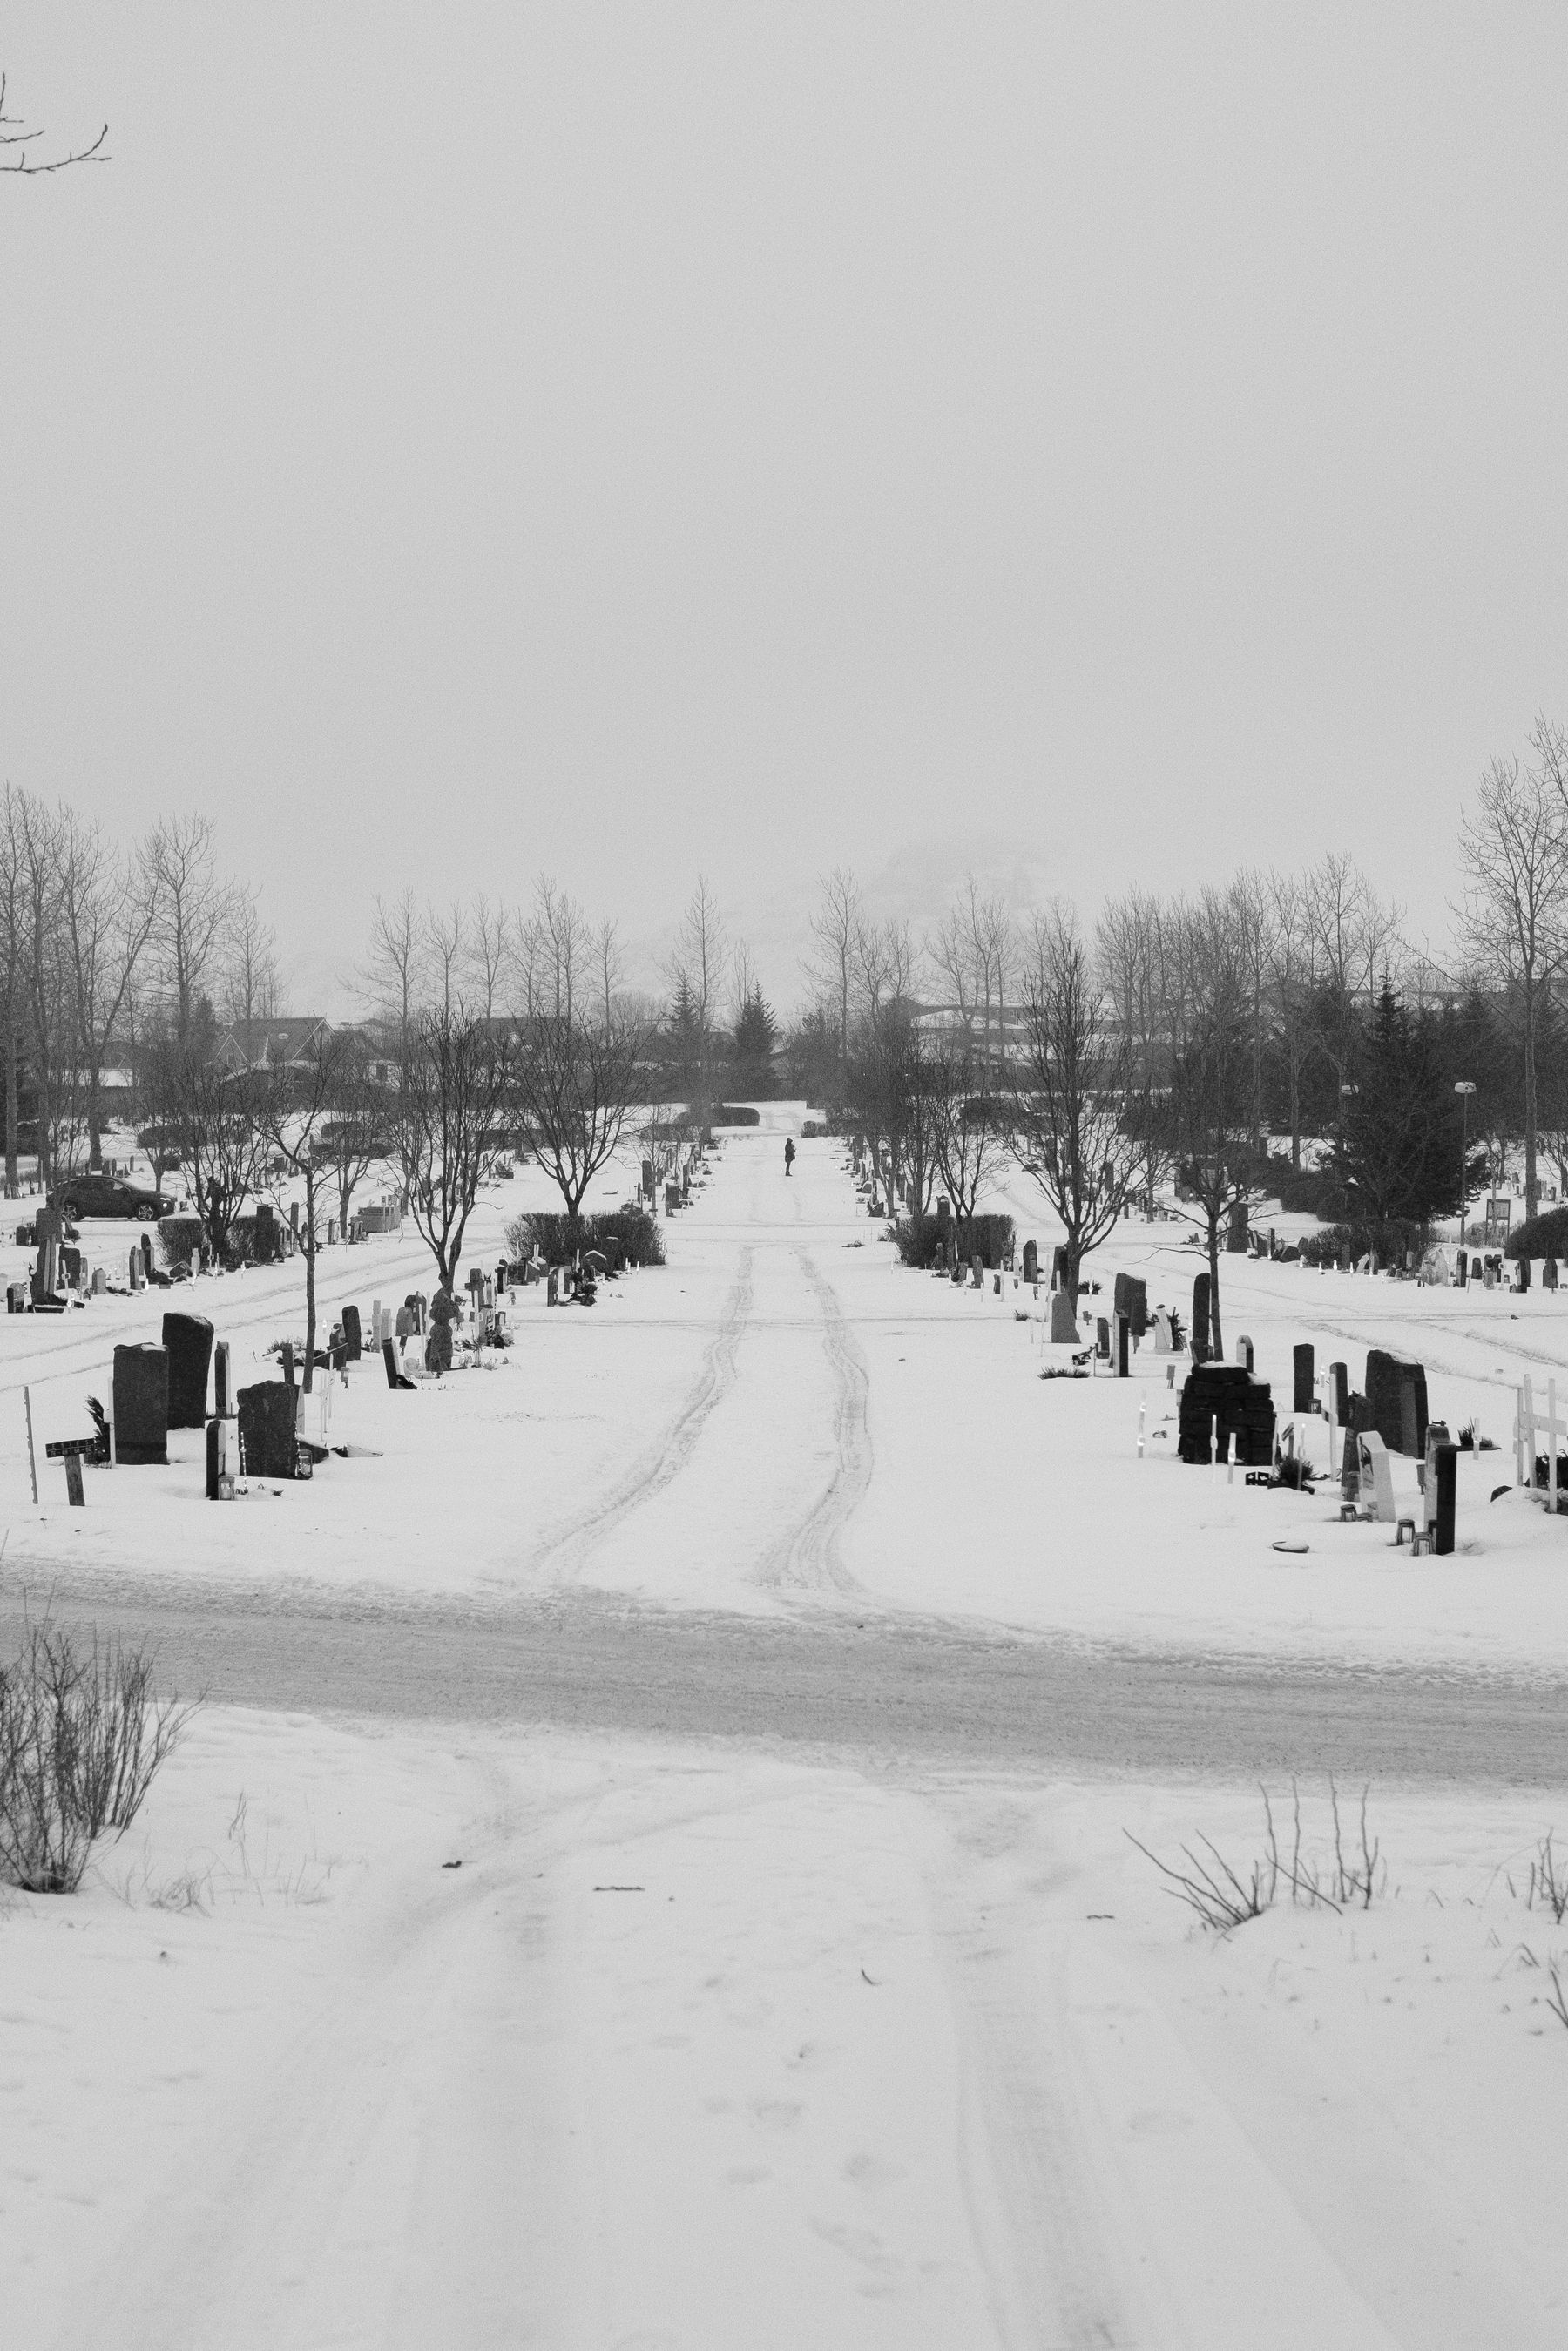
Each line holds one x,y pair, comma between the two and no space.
878,1685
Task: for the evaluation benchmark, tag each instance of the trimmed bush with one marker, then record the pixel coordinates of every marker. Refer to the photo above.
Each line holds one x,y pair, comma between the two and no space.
734,1114
1391,1242
177,1237
558,1240
1543,1236
919,1236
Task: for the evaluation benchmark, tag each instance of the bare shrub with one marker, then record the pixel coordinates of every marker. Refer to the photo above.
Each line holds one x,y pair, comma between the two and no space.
1548,1884
81,1739
1224,1897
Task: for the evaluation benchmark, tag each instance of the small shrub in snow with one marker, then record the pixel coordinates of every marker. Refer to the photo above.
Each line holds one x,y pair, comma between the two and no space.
1224,1897
81,1739
1549,1884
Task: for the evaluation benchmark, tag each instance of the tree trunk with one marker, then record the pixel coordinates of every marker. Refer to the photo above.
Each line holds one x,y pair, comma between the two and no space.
1530,1104
309,1285
1216,1337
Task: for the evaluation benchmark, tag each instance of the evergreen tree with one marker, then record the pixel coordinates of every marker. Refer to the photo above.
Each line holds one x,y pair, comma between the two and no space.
756,1042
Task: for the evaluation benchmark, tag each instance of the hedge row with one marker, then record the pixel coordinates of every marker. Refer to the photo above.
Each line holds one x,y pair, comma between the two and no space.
557,1239
919,1237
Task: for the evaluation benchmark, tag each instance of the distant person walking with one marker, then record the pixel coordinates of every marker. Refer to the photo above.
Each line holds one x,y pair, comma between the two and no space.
789,1155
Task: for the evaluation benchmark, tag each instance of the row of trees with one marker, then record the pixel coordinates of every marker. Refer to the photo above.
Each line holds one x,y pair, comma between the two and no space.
108,953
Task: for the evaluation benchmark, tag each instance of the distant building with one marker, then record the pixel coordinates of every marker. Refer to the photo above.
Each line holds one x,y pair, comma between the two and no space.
292,1041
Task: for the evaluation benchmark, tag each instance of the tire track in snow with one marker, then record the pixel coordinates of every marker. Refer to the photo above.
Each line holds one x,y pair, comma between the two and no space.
807,1558
570,1546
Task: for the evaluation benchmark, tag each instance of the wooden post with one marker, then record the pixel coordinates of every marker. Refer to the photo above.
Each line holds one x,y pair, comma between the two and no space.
74,1494
1552,1448
32,1457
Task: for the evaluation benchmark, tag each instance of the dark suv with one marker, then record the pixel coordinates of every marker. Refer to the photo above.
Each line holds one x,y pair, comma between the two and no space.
112,1196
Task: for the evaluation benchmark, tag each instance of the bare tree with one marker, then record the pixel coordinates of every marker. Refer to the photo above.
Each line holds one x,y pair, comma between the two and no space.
13,973
107,909
1208,1106
1072,1088
1515,853
563,949
210,1116
455,1090
835,927
696,968
608,966
394,978
32,166
446,951
575,1085
193,910
250,980
489,949
300,1110
968,1122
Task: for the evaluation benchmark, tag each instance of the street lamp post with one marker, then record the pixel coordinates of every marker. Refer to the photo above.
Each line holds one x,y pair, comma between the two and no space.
1464,1089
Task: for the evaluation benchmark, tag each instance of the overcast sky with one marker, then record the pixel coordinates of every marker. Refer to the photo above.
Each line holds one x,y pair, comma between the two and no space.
1099,445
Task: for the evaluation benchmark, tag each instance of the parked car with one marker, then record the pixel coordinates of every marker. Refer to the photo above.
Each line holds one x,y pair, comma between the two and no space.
112,1196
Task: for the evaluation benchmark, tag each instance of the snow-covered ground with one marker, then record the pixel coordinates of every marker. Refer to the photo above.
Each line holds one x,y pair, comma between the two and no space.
715,2040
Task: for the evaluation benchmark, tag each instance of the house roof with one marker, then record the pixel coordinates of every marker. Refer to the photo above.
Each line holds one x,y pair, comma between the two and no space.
274,1044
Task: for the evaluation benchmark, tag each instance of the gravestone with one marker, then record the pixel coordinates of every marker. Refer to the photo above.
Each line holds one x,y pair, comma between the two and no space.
1130,1297
1339,1385
1063,1322
140,1405
188,1344
1236,1238
268,1429
217,1456
352,1341
1244,1352
1200,1320
1445,1462
46,1225
1030,1263
146,1256
1305,1365
99,1281
552,1296
223,1382
1102,1338
1396,1401
1242,1407
70,1258
1523,1264
1549,1274
1059,1268
1124,1329
138,1279
978,1270
1461,1269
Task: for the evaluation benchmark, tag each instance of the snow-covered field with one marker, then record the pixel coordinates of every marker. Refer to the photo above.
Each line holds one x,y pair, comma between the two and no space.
723,2039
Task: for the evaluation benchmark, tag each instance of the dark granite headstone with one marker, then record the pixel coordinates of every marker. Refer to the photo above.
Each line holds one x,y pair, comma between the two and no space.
1397,1400
1201,1349
1030,1263
223,1382
1445,1462
1305,1363
140,1405
188,1344
267,1426
352,1337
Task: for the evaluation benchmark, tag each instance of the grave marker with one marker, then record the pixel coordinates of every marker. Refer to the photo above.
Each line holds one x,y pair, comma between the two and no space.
1306,1386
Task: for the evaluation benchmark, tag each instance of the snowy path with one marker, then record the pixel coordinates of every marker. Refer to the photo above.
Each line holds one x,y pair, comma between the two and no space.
878,1683
782,1663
